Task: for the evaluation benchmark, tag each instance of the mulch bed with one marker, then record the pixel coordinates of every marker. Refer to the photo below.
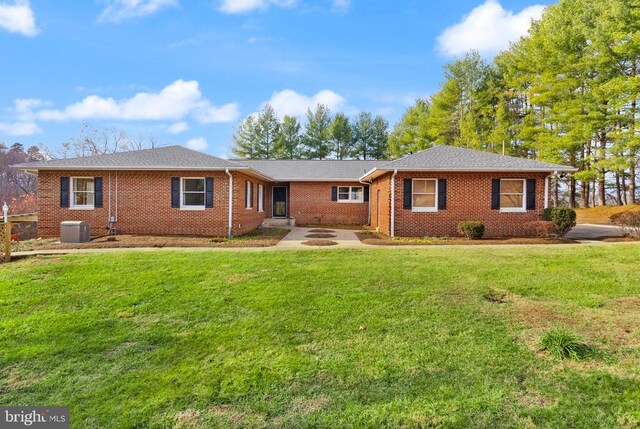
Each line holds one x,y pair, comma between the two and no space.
319,243
378,239
261,238
321,236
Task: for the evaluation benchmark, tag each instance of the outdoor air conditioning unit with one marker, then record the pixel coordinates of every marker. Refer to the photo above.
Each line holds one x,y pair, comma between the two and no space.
75,232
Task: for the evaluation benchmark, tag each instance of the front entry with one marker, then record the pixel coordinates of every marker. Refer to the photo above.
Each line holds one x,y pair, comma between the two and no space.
279,201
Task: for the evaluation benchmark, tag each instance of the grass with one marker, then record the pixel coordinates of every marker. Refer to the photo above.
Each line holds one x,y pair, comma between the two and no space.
378,338
260,237
563,344
602,215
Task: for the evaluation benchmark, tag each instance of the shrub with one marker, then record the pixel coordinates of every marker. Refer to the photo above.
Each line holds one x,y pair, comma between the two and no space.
564,219
562,344
629,222
471,230
541,228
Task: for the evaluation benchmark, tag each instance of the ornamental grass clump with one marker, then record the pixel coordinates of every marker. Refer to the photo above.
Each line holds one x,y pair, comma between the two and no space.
563,344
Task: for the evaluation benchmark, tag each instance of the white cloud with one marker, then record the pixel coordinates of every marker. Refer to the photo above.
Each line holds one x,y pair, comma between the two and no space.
289,102
199,143
122,10
174,102
19,128
341,5
244,6
178,127
17,17
488,29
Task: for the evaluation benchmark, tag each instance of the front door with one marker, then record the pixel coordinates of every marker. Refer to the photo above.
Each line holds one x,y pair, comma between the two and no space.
279,201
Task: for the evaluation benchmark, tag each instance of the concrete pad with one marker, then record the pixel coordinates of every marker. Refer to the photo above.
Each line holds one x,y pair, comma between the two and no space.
344,237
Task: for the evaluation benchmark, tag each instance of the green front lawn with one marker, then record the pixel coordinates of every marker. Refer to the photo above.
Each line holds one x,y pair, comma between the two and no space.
433,337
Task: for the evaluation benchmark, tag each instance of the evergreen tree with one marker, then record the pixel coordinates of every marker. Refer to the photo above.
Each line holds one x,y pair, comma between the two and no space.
287,145
380,138
363,136
245,139
316,138
267,131
341,136
411,133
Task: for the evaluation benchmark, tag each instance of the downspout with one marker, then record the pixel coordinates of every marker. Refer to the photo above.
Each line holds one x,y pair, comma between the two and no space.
109,218
392,227
369,202
116,195
230,221
546,191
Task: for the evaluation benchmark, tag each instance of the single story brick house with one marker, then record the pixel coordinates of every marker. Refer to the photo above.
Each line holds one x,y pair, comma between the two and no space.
174,190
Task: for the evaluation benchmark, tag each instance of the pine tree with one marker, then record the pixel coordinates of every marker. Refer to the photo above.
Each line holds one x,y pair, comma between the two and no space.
316,136
380,138
363,136
245,139
267,131
341,136
410,134
287,145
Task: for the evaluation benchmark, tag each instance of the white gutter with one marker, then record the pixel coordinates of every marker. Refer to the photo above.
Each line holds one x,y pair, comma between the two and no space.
368,202
392,227
230,221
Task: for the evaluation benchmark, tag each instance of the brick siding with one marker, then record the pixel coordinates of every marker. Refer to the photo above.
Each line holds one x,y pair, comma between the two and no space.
310,203
468,199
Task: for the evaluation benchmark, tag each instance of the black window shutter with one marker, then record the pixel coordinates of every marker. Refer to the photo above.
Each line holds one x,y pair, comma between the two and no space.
257,198
64,192
246,194
208,192
334,193
175,192
442,194
531,194
366,193
406,200
253,193
97,197
495,194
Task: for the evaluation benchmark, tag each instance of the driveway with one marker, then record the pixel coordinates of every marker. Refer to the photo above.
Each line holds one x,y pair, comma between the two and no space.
343,237
587,231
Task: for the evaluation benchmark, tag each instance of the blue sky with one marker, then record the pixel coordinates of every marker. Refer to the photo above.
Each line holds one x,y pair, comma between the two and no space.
188,71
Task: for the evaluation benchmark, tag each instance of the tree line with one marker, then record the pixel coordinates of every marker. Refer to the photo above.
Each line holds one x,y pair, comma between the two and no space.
567,92
264,136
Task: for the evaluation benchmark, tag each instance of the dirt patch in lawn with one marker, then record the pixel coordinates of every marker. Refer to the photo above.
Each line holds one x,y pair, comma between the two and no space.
319,243
257,238
619,239
377,239
322,231
320,236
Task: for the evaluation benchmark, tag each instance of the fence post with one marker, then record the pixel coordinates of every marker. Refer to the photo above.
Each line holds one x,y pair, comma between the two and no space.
6,241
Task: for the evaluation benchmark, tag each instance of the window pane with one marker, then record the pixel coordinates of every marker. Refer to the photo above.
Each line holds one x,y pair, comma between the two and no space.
193,199
356,193
511,187
83,185
83,198
424,200
343,189
424,186
510,201
193,185
342,196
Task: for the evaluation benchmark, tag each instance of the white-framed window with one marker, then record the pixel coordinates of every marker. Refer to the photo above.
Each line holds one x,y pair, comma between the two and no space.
192,193
350,194
248,194
260,198
512,195
82,193
424,195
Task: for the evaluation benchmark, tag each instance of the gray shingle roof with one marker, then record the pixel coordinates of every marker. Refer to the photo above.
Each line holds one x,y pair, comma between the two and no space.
451,158
286,170
162,158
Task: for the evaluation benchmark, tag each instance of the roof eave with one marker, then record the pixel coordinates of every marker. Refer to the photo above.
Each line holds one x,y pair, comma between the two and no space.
379,172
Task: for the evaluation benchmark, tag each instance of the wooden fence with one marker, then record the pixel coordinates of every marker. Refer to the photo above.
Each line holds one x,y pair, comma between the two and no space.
5,236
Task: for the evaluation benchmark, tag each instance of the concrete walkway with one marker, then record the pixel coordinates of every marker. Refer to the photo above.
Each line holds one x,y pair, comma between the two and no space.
345,239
